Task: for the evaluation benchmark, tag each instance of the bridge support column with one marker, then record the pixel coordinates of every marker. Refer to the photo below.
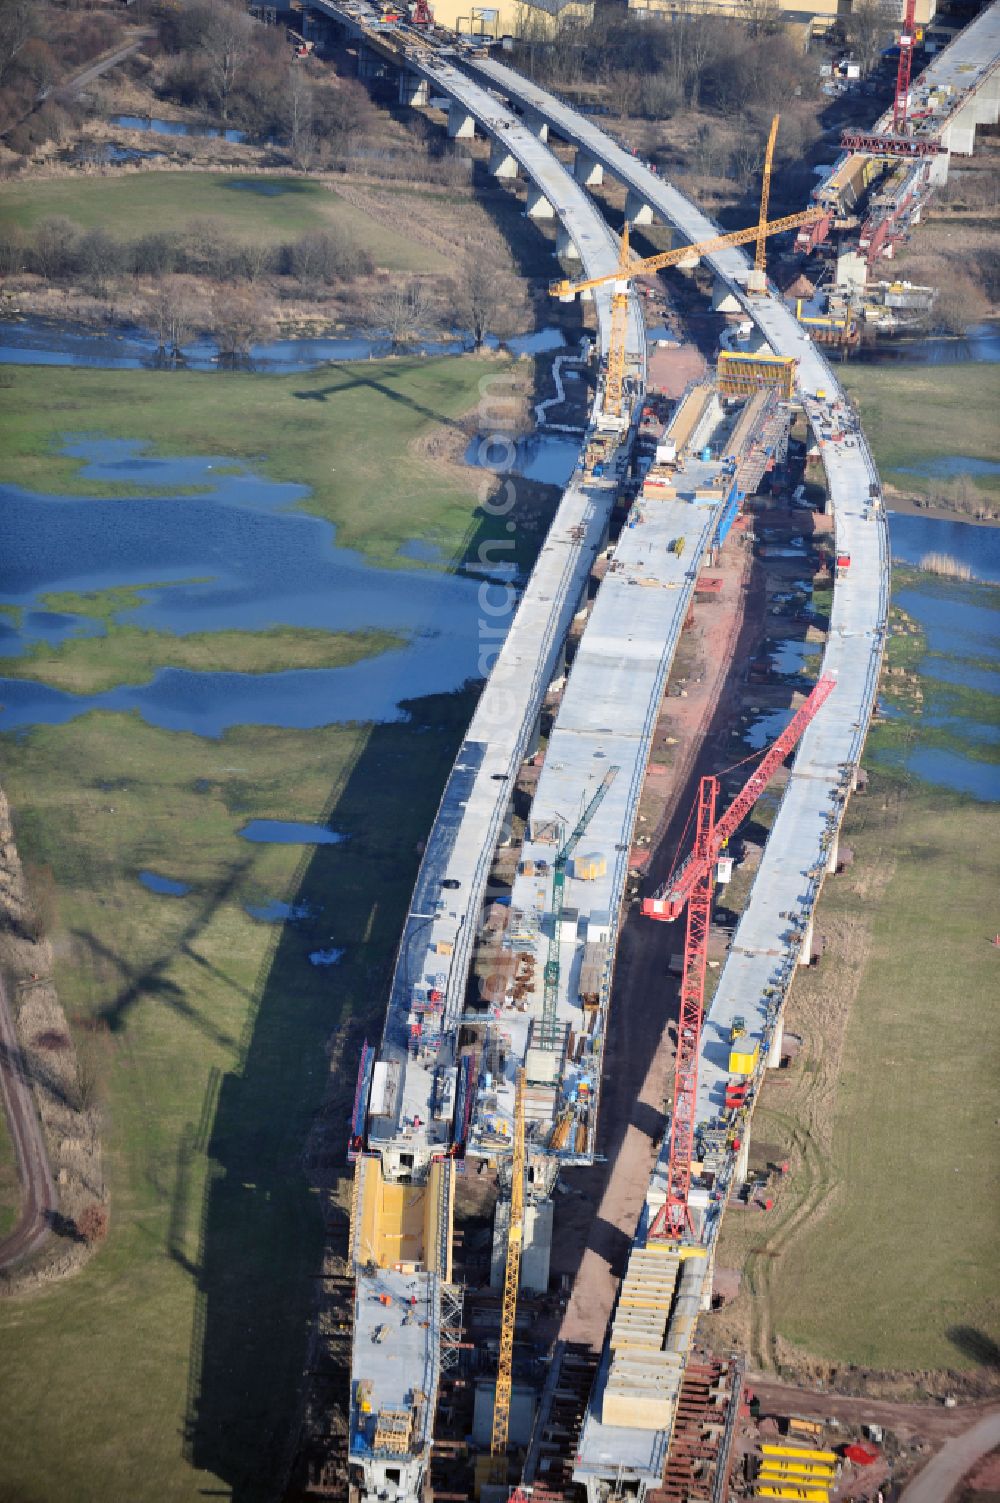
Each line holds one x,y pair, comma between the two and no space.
502,164
833,855
805,954
637,210
369,66
706,1288
566,246
538,206
536,124
777,1044
742,1158
414,90
587,169
461,125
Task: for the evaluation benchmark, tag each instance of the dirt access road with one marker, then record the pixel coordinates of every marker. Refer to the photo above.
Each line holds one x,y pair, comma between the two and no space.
40,1199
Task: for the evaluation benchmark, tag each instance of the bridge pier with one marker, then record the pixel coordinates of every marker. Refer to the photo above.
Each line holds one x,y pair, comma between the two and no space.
461,125
777,1044
536,124
805,953
414,90
959,135
587,169
742,1167
637,210
566,246
502,163
370,66
833,855
538,206
706,1288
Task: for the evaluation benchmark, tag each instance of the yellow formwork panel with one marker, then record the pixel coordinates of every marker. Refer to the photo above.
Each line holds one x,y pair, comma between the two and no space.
805,1453
820,1469
391,1219
796,1479
794,1494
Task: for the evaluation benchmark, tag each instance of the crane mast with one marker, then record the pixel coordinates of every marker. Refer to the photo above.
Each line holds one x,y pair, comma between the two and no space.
694,887
760,259
901,102
512,1271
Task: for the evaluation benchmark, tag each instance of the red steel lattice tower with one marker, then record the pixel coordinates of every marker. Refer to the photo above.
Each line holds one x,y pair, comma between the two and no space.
672,1219
906,40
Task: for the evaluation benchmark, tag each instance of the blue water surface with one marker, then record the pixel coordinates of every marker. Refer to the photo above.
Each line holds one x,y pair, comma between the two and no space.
166,886
235,555
289,832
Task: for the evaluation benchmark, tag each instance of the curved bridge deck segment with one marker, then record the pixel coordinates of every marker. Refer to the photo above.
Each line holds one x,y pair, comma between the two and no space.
775,929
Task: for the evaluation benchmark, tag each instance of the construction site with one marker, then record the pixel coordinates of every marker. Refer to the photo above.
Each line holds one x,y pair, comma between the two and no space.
619,885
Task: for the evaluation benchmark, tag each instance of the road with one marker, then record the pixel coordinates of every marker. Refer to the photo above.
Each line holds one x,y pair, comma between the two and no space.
38,1187
946,1470
103,64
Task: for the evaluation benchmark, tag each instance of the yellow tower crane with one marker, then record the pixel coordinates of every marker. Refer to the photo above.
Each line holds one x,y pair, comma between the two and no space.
515,1239
758,278
627,269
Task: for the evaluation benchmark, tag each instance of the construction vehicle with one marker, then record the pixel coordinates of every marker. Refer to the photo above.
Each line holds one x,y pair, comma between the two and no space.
508,1317
692,886
738,1029
628,269
548,1033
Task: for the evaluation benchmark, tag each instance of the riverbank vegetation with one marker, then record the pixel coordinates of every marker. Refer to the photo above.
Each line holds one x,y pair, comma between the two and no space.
919,418
314,430
130,655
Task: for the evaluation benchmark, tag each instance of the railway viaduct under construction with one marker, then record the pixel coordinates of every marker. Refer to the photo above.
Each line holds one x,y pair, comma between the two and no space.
498,1012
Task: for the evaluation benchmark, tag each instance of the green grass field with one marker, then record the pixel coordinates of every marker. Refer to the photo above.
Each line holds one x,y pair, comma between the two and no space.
130,655
347,432
921,412
246,207
208,1030
894,1265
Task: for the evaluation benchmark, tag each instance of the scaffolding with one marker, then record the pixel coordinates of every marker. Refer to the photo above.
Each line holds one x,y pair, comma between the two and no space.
742,374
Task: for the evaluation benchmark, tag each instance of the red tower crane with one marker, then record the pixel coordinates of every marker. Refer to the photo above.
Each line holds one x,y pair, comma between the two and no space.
906,41
693,885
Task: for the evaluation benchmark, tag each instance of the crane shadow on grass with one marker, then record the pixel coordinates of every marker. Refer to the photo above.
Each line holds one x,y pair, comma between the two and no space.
270,1141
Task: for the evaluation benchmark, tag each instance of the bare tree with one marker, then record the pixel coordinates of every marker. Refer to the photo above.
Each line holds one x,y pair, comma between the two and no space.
300,119
400,312
487,299
760,17
18,24
227,43
239,322
173,315
866,30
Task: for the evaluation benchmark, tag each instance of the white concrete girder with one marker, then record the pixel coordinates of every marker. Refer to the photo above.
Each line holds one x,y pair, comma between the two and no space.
587,169
502,163
461,125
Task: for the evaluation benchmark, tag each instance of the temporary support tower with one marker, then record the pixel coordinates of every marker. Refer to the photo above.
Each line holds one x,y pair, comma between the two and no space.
693,885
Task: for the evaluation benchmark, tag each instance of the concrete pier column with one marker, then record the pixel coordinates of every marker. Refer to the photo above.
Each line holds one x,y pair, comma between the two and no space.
566,246
805,954
461,125
536,124
777,1043
538,206
742,1159
414,90
706,1288
587,170
369,66
637,210
833,856
502,164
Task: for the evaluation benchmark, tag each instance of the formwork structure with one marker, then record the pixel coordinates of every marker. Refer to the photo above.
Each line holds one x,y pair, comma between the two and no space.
743,374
